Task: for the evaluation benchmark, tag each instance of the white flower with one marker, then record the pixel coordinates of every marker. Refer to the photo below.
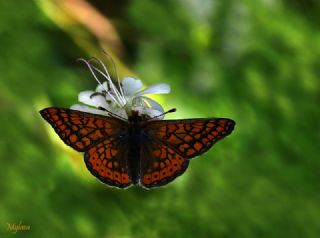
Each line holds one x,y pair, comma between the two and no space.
122,99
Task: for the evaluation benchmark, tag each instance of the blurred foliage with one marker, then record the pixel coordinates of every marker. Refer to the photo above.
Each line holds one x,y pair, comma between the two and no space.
256,62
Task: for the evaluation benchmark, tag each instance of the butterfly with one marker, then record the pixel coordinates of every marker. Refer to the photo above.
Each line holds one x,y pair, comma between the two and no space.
121,153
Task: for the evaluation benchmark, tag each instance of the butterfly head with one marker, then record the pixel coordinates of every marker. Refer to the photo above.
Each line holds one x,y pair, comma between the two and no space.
135,117
125,99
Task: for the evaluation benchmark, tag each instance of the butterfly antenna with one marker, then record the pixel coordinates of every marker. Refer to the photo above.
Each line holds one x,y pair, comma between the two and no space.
160,115
112,114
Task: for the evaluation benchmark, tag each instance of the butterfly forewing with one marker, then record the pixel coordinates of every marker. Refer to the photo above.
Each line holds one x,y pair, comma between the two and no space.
100,137
190,137
171,143
81,130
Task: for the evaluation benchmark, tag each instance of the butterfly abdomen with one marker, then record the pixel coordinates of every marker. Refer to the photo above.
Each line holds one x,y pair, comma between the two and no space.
134,154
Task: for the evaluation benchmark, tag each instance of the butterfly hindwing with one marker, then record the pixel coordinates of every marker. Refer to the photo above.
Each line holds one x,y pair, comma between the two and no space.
96,135
107,161
159,164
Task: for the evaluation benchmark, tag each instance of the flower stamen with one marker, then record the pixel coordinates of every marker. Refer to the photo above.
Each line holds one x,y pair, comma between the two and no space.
91,67
121,99
116,72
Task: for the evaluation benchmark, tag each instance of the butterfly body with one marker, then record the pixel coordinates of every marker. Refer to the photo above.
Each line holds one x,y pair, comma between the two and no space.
134,144
121,153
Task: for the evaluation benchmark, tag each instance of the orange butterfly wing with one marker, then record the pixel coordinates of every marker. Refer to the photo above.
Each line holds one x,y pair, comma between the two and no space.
169,144
100,137
159,164
107,161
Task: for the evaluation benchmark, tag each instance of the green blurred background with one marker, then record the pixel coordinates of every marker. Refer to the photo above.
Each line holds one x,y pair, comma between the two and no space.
257,62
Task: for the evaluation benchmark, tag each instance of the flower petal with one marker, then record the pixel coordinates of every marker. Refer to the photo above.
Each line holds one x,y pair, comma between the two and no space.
120,112
100,88
84,108
130,85
99,101
149,112
84,97
88,97
159,88
153,104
